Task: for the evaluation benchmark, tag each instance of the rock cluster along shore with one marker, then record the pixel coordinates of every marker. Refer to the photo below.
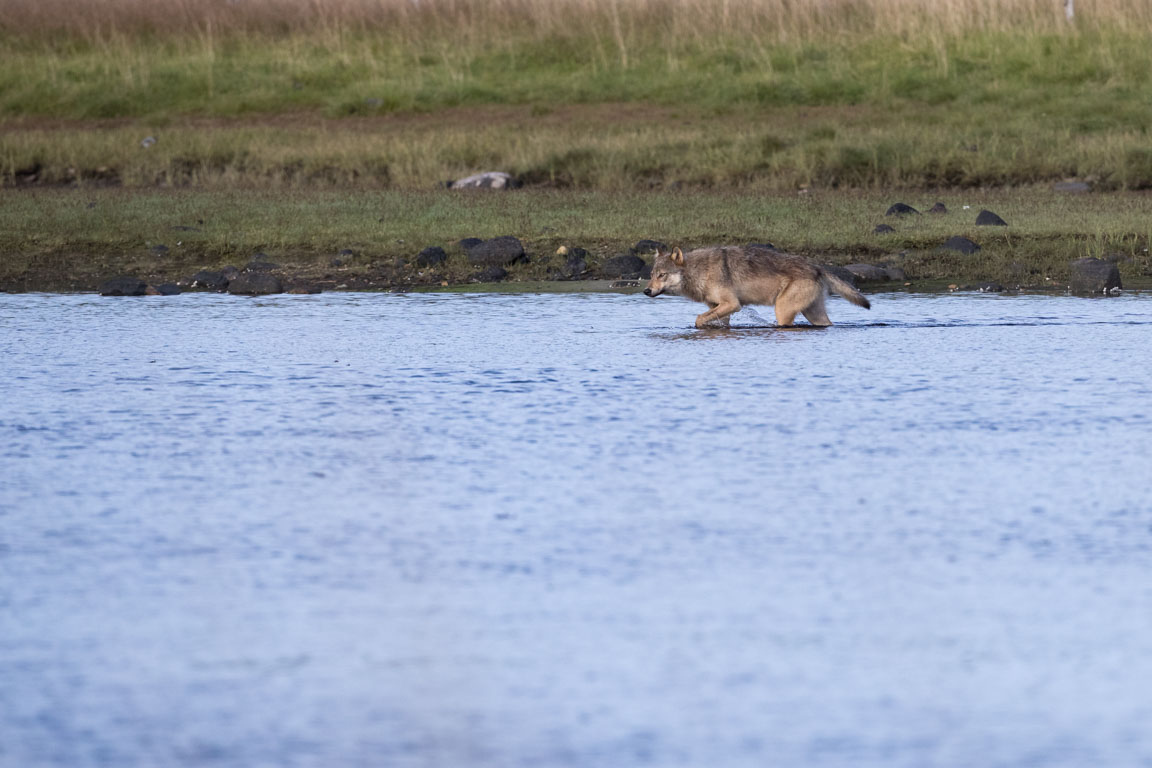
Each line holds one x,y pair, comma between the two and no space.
480,260
497,259
984,218
259,278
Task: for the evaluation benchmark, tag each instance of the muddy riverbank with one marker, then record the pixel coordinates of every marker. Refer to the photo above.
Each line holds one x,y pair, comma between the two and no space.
397,240
167,272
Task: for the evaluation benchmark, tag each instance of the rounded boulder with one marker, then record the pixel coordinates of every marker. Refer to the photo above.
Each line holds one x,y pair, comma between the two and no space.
123,286
255,284
497,252
624,265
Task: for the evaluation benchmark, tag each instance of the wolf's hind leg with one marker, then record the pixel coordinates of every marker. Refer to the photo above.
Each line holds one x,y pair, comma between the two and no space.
794,299
816,313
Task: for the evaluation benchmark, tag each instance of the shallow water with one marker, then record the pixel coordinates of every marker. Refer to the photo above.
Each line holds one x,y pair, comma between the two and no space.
570,530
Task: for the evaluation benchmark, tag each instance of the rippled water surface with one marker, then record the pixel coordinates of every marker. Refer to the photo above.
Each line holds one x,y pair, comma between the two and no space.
570,530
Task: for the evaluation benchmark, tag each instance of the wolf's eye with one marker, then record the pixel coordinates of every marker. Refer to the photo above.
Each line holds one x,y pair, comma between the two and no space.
662,275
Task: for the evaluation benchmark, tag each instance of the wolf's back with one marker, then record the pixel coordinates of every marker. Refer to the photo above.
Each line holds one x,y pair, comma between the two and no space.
836,285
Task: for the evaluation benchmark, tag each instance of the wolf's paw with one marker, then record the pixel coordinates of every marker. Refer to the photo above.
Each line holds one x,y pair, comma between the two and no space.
717,322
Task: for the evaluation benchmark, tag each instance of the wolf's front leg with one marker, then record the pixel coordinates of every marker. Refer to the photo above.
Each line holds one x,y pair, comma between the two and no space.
718,312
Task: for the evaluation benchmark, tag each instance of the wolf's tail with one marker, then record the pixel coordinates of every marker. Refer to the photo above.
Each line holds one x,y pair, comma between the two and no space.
836,285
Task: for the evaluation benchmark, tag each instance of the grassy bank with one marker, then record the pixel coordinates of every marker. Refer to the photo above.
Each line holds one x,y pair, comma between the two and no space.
73,239
597,94
605,147
305,129
373,73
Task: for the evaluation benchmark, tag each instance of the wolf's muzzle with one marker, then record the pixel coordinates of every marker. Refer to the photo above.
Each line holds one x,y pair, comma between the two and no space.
648,292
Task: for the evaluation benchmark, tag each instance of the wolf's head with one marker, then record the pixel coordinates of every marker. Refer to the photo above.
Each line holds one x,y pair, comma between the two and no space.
667,273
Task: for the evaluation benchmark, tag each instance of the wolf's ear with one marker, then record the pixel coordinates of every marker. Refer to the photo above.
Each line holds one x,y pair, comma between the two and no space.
660,251
678,257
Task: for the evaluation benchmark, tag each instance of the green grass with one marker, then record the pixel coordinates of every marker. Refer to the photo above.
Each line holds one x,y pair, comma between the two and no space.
300,129
371,110
75,238
357,71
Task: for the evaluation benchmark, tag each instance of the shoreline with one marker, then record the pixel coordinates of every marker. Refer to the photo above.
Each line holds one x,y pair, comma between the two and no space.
401,240
923,287
64,275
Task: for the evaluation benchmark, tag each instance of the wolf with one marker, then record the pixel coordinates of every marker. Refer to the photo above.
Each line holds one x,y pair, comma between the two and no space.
729,277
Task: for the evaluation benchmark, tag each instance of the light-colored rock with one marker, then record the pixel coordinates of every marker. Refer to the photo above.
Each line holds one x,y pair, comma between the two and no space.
488,180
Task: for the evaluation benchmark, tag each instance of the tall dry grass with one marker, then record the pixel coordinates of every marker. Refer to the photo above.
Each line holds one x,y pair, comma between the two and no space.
624,23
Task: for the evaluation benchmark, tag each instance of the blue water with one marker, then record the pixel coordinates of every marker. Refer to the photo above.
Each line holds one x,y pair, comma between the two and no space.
571,530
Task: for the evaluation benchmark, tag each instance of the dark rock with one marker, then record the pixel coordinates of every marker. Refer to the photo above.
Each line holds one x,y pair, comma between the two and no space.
989,287
489,180
1094,276
123,286
575,265
988,219
844,274
938,208
159,250
869,273
29,174
335,262
210,281
624,265
497,252
624,284
469,243
1073,187
164,289
895,274
768,246
646,272
261,266
493,274
901,209
347,252
960,245
883,229
431,256
255,284
649,246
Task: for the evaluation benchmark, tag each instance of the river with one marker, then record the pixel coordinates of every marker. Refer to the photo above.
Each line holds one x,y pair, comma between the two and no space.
455,530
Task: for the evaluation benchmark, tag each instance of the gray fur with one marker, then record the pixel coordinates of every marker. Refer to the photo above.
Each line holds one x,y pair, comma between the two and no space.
729,277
